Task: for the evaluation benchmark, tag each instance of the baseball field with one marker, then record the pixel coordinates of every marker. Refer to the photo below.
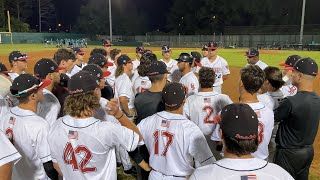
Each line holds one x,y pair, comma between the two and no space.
235,58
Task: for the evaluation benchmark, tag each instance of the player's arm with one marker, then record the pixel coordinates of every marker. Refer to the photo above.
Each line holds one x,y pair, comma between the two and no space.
225,77
57,168
124,104
50,170
283,111
6,171
137,158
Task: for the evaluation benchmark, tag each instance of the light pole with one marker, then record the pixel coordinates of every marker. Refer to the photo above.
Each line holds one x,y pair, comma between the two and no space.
302,21
110,20
39,16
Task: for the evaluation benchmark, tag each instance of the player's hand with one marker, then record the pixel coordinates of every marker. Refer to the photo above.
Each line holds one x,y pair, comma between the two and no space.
145,166
113,107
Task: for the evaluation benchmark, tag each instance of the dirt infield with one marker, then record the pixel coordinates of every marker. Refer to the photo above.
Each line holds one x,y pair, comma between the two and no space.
230,88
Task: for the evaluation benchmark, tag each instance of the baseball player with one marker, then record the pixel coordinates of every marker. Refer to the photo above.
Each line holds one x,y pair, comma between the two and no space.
66,59
288,89
79,64
123,85
142,83
114,55
61,92
197,65
136,62
202,107
251,79
27,131
18,62
176,145
82,146
299,121
218,64
107,46
7,101
240,139
175,74
205,51
253,58
9,156
49,107
188,79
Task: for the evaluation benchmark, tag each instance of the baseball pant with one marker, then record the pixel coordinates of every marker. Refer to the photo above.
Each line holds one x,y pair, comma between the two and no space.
295,161
123,157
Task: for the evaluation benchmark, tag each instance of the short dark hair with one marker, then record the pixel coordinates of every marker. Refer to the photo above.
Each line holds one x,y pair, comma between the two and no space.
24,98
145,62
169,108
98,51
156,78
274,76
63,54
114,52
252,77
206,77
240,147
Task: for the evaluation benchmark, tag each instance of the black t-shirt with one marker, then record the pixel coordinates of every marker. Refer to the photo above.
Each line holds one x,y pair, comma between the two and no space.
107,91
148,103
61,93
299,120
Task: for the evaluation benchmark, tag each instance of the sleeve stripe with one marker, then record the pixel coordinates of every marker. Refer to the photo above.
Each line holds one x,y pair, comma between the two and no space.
206,159
45,156
132,140
8,156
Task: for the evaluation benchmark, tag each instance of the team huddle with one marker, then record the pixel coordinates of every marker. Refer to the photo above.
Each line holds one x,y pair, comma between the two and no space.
158,119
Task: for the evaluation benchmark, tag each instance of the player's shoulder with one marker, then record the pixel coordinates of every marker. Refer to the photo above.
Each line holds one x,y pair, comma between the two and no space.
221,59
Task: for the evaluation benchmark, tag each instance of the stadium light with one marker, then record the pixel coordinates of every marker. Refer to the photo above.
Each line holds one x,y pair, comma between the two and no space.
302,21
110,20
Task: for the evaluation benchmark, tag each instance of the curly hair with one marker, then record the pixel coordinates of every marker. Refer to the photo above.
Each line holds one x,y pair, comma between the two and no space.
206,77
145,62
82,104
114,52
252,77
119,71
274,76
63,54
98,51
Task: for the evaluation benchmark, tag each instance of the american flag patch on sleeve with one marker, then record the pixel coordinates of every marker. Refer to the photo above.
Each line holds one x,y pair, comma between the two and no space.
12,120
73,134
165,123
207,100
249,177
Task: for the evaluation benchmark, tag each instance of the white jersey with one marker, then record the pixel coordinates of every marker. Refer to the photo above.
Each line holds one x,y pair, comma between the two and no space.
49,108
261,64
28,132
141,84
271,99
76,69
241,169
191,82
202,107
265,127
289,90
13,75
135,63
220,67
111,78
85,148
123,88
175,144
8,153
172,67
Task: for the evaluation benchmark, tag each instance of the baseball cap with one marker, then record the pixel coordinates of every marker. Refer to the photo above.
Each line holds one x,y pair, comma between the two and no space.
252,52
157,67
3,69
64,79
26,83
166,48
306,66
197,58
82,82
99,60
204,47
173,94
239,121
212,45
185,57
107,43
93,68
140,49
291,60
123,59
17,56
78,51
46,66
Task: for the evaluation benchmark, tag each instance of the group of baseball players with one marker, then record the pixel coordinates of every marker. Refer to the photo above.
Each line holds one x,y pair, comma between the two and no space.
84,120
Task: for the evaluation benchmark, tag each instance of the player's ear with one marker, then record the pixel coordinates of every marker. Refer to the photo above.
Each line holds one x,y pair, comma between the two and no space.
33,96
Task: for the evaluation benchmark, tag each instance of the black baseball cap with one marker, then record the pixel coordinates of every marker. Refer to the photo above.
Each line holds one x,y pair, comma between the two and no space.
185,57
46,66
239,121
3,69
212,45
252,52
17,56
140,49
204,48
123,59
173,94
107,43
306,66
291,60
166,48
99,60
78,51
26,83
157,67
82,82
93,68
197,58
64,79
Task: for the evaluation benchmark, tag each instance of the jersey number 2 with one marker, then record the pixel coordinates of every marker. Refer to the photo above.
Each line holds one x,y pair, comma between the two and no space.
70,158
156,143
260,132
207,119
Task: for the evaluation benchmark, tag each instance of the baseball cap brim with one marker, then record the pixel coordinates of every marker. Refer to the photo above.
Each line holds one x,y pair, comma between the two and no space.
108,64
105,74
81,52
44,84
197,64
289,68
59,68
283,64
